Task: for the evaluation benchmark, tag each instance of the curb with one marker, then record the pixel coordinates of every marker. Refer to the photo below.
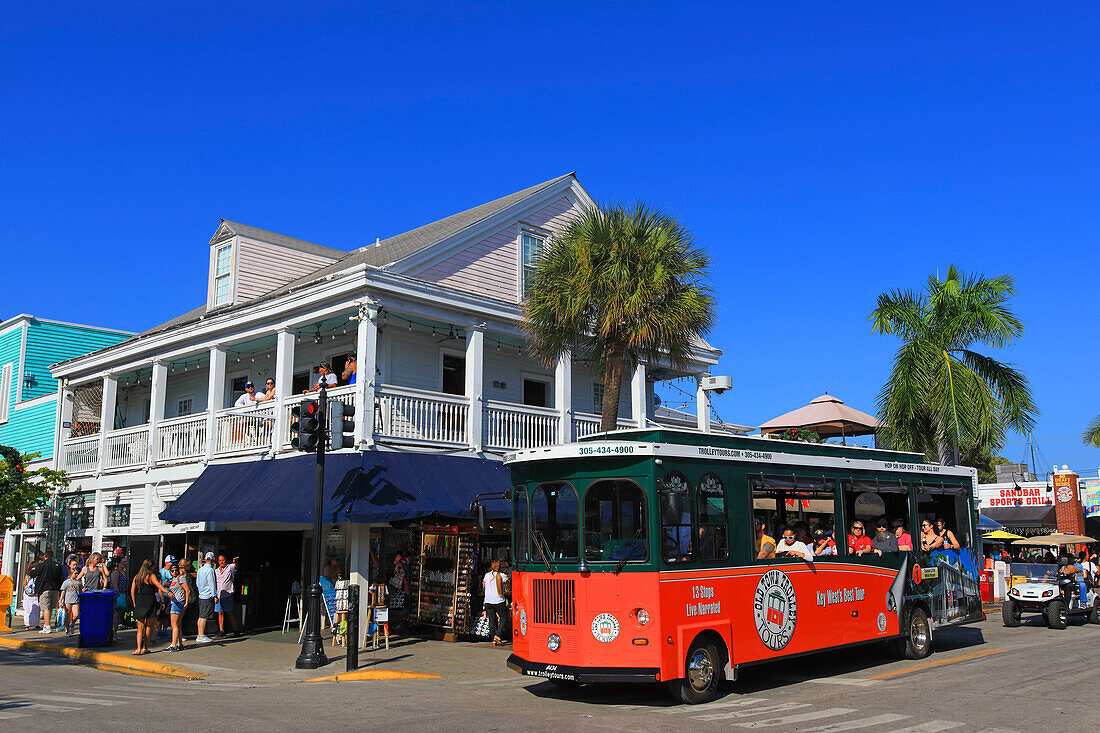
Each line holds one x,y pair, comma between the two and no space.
124,663
376,674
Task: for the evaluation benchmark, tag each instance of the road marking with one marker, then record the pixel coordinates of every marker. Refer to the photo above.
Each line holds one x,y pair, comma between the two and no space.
70,699
952,660
6,715
739,702
796,718
857,724
776,708
849,681
117,694
932,726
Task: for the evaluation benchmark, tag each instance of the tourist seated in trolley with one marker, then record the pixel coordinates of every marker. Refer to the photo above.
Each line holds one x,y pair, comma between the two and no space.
884,540
824,546
765,545
859,544
789,547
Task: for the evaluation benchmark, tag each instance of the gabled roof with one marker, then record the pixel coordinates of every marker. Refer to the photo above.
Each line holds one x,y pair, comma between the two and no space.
282,240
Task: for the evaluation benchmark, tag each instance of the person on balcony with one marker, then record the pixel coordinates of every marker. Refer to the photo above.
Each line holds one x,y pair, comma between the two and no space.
269,394
327,378
248,398
350,370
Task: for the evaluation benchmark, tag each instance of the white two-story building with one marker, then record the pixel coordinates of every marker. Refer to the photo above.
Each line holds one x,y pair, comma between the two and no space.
443,371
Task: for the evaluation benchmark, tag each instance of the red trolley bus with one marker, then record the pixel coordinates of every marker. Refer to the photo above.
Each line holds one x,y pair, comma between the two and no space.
643,555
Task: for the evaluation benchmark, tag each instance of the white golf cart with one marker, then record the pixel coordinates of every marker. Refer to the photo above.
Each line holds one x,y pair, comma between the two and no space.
1046,589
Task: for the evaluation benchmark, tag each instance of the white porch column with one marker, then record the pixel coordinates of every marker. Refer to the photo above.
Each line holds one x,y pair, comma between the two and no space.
563,396
64,423
107,416
284,381
475,378
215,397
359,568
366,353
156,408
638,396
702,405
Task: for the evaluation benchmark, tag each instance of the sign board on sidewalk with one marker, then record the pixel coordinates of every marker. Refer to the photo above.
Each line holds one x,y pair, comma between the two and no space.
7,590
382,615
341,596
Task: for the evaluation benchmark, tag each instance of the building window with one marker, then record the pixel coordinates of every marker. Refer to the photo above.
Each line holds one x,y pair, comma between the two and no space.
118,515
597,398
183,407
223,259
5,391
530,246
82,517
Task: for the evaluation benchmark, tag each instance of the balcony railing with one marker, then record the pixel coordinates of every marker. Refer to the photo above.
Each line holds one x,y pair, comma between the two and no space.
182,438
80,455
515,427
413,415
127,447
244,429
585,424
344,395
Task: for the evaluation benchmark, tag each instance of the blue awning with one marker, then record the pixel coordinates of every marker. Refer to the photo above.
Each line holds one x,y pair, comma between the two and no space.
368,486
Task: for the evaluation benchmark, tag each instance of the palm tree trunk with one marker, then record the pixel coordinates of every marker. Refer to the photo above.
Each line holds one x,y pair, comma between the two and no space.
949,455
612,383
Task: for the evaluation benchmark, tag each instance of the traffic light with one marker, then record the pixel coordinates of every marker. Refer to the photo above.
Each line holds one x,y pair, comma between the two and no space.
339,425
305,426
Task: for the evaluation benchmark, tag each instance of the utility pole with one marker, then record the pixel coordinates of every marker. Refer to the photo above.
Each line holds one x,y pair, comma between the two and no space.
1031,445
313,647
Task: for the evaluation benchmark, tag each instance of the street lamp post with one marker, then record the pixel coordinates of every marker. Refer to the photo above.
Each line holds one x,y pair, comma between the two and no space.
313,648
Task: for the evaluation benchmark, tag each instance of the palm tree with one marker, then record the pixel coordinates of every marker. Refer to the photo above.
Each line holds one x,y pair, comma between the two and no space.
616,286
1092,434
941,394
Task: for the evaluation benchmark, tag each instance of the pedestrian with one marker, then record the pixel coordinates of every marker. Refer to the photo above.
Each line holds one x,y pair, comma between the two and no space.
47,584
31,611
143,593
70,596
332,569
94,575
116,581
225,573
163,627
207,583
495,605
181,596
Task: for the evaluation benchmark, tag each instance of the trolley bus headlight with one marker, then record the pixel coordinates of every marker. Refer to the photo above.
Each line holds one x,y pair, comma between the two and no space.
553,642
642,615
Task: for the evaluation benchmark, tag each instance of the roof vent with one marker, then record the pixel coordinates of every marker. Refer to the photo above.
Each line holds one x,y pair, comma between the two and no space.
377,241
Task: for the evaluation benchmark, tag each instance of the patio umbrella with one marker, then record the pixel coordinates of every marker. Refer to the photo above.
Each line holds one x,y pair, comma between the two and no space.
985,524
1000,534
827,416
1052,540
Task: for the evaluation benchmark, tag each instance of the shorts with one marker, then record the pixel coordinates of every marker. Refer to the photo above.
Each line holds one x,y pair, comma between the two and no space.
177,608
206,608
226,603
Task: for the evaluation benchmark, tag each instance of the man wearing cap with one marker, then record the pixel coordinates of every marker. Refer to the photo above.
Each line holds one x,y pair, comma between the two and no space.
208,589
165,579
327,378
249,397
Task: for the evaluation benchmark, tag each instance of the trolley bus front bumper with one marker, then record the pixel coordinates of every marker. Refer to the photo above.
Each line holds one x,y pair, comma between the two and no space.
584,674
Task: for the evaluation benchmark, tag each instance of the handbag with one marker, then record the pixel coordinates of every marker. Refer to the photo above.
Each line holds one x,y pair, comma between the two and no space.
397,600
481,627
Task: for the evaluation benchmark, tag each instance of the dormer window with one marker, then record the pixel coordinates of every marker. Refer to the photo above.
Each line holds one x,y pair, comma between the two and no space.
223,261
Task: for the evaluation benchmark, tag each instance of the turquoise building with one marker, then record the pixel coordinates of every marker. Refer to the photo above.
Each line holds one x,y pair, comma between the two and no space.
28,402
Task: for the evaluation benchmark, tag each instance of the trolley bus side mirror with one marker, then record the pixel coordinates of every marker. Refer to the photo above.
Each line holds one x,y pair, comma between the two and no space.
672,507
481,518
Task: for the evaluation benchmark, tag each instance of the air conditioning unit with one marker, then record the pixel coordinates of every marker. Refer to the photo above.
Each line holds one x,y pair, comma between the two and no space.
716,384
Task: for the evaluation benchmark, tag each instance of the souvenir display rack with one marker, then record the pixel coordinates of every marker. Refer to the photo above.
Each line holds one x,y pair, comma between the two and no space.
443,578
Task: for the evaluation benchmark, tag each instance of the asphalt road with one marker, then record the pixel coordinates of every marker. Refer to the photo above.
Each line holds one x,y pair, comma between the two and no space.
981,678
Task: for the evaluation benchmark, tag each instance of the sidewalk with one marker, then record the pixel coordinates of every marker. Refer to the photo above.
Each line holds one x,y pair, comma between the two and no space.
269,656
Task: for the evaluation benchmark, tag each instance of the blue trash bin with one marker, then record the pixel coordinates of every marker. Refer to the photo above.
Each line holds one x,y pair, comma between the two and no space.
97,618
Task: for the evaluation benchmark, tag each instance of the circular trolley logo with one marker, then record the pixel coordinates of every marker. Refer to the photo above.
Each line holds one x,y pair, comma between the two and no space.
882,622
775,609
605,628
523,622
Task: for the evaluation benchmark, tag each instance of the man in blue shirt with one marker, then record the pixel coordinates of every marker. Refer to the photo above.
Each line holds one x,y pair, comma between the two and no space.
208,590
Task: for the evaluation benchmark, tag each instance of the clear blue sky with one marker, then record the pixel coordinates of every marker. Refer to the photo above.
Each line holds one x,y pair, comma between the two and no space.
823,152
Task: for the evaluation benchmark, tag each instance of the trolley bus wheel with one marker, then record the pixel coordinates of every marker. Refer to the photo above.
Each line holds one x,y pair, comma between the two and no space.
1056,614
1094,614
702,674
1010,613
917,642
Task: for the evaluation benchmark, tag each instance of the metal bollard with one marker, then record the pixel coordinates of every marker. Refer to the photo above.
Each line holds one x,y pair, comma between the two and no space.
352,639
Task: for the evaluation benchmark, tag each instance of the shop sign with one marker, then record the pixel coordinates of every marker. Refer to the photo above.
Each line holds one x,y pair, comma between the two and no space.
1032,496
1091,491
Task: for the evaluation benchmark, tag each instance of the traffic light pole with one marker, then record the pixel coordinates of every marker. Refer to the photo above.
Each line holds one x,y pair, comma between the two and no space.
313,647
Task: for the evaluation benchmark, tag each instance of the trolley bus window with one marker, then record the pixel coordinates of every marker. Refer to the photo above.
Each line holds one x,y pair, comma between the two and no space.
802,503
615,522
711,513
948,503
676,531
519,520
872,504
554,516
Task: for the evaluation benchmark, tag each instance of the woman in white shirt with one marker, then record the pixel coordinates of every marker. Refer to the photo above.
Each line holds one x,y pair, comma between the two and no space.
495,606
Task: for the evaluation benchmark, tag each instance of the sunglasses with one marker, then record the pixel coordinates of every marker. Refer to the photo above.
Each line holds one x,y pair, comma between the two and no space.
857,527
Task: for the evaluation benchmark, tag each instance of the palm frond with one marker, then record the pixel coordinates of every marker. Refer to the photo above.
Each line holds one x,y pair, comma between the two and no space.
1091,435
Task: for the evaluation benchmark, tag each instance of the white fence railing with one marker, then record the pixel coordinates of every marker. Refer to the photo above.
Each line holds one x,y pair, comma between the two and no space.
182,437
417,415
244,429
127,447
344,395
81,455
516,427
585,424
